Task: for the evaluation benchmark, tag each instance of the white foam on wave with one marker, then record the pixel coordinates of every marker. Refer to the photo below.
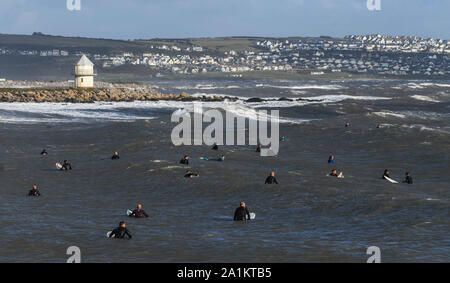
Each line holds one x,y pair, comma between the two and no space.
424,98
342,97
412,114
67,112
300,87
385,114
422,85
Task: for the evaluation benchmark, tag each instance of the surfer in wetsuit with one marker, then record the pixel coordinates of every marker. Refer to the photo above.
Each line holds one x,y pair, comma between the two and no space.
139,212
385,174
191,175
258,149
347,124
331,159
335,174
44,152
215,147
241,213
66,165
185,160
271,179
121,231
115,156
34,192
221,158
408,178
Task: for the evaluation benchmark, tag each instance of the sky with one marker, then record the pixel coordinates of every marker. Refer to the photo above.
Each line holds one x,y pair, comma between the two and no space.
146,19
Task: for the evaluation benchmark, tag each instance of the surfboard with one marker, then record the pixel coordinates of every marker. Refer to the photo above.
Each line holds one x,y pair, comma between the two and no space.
391,180
58,166
252,215
108,234
129,212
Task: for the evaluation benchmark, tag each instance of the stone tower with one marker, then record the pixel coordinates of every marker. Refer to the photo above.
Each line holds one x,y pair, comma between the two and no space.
84,73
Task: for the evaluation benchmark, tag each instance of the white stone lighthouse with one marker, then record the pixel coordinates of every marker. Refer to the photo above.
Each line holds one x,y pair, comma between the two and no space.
84,73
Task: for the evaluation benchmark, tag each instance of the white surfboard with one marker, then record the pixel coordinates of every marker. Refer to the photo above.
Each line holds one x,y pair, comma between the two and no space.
108,234
58,166
129,212
391,180
252,215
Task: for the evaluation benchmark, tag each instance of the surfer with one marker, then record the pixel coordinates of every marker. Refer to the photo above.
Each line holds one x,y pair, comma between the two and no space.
379,126
185,160
347,124
191,175
44,152
271,179
221,158
215,147
258,149
241,213
34,192
121,231
139,212
66,165
335,174
331,159
408,178
115,156
385,174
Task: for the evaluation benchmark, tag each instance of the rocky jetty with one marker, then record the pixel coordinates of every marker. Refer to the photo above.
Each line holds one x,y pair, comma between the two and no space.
92,95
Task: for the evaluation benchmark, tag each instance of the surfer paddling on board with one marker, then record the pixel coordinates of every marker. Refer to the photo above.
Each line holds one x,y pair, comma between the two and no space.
115,156
271,179
44,152
185,160
139,212
34,192
220,159
386,174
241,213
121,231
191,175
335,174
66,166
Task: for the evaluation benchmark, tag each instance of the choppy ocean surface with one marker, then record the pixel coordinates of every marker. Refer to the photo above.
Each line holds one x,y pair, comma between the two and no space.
307,217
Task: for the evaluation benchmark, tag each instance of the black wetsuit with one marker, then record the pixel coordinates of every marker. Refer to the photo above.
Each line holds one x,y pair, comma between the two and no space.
258,149
385,175
120,233
184,161
271,180
66,166
408,180
333,175
44,152
241,214
139,213
215,147
190,175
115,157
34,193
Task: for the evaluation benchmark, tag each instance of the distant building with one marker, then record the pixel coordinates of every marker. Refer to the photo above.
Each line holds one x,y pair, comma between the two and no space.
84,73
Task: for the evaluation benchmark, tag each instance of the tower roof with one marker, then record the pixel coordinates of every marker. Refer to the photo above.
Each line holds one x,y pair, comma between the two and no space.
84,61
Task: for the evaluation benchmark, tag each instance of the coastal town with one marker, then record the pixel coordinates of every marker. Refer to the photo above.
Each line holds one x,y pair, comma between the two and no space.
371,54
